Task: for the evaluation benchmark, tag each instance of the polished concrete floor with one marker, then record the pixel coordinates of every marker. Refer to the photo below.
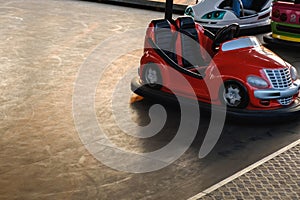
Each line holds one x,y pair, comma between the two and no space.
43,46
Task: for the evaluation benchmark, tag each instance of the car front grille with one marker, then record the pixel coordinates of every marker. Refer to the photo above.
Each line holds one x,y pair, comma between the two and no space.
279,78
288,29
285,101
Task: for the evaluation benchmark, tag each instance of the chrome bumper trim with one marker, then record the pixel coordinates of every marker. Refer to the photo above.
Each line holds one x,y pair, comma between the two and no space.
278,93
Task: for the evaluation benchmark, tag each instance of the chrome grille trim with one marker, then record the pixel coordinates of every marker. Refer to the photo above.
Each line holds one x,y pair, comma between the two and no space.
279,78
285,101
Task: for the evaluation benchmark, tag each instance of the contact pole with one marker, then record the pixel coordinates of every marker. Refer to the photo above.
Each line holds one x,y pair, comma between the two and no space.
169,10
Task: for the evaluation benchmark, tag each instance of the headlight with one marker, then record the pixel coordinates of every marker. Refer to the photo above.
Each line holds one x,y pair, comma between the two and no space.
276,13
214,15
283,17
257,82
294,73
189,11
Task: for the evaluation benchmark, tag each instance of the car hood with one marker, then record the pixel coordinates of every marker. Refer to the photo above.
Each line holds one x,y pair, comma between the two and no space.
247,51
249,58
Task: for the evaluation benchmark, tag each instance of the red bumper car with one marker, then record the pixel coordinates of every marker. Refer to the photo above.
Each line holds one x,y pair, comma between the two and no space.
255,82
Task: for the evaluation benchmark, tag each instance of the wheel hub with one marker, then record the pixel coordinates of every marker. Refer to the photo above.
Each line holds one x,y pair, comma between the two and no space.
232,95
152,76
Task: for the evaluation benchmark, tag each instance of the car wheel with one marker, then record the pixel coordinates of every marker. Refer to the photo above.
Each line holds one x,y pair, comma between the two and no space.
152,76
234,95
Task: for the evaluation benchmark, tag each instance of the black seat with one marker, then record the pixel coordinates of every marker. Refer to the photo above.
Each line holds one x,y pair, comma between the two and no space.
190,47
164,37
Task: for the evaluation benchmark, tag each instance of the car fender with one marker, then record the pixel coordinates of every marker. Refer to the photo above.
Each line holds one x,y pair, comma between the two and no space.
242,82
151,57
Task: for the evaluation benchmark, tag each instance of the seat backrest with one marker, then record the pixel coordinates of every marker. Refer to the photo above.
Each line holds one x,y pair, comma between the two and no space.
189,54
163,35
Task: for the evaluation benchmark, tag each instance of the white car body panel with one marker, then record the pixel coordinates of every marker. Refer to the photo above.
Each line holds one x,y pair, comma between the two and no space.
251,21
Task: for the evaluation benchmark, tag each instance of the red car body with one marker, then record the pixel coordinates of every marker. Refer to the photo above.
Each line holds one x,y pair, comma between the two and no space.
252,77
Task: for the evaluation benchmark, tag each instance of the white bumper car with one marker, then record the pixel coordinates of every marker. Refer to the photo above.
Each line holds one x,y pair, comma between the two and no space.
215,14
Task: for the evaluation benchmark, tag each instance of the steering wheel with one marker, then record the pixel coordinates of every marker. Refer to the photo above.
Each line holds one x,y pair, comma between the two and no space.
226,33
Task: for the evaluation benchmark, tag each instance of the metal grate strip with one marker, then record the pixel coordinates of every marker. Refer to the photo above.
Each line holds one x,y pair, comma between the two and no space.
279,78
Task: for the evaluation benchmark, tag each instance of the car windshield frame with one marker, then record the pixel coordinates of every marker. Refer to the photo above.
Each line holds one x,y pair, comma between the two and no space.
285,1
240,43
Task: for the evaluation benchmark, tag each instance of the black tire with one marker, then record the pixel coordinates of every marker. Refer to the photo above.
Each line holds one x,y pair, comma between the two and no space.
234,95
151,76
